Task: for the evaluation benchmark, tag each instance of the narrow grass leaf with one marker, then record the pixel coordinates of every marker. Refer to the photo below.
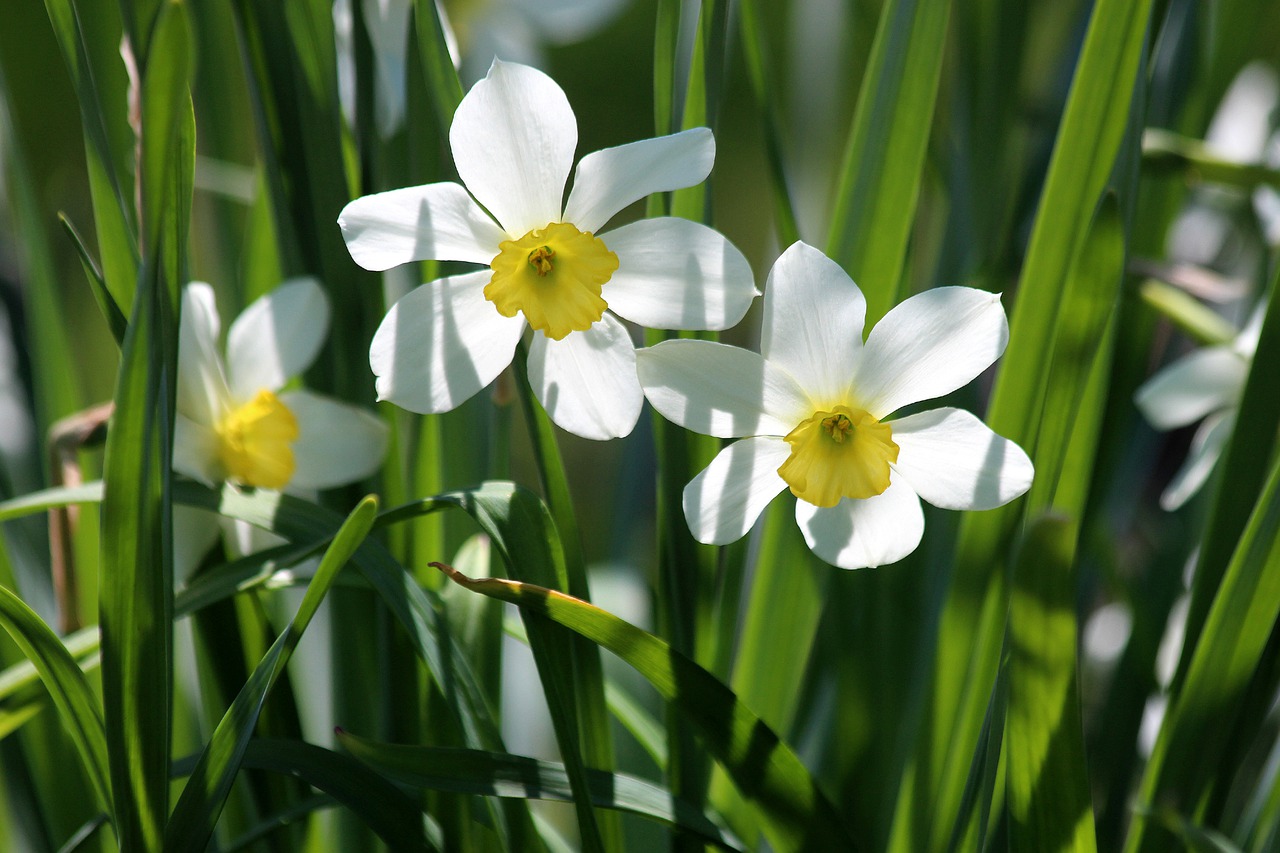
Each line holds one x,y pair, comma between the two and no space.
72,695
1204,710
116,322
437,65
884,158
470,771
971,626
1047,785
765,769
1240,475
196,812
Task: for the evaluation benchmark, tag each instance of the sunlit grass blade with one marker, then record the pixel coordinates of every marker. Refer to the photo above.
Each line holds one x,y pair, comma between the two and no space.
437,64
884,157
796,811
191,825
972,621
136,605
505,775
22,692
1205,709
1046,783
74,698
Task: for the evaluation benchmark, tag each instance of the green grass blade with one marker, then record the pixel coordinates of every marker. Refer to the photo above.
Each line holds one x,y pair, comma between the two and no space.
1240,475
107,304
191,825
89,36
884,159
971,626
500,774
1047,785
72,695
765,769
136,605
437,66
1204,711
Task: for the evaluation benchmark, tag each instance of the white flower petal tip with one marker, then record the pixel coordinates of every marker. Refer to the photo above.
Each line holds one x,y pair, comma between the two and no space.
440,344
930,345
513,137
1193,386
607,181
431,222
587,381
954,461
864,534
276,337
722,503
677,274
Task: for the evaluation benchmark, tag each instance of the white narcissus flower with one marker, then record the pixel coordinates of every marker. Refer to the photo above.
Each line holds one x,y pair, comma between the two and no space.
235,423
1206,383
812,412
513,139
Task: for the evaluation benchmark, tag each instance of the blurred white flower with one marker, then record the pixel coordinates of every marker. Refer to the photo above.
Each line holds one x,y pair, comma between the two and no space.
387,23
513,139
517,30
236,424
813,408
1206,383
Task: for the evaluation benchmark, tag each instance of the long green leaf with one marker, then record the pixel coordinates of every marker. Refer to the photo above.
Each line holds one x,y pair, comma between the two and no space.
196,812
765,769
1203,713
971,626
136,604
1047,784
498,774
72,695
884,160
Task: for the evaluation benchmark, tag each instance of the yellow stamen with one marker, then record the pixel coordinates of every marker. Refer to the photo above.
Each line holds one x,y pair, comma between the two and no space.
843,453
253,442
553,276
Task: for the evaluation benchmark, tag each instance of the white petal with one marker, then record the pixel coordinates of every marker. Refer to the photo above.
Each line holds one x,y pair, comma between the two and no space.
560,22
930,345
202,385
857,534
276,338
242,538
1207,445
433,222
720,390
954,461
195,451
337,443
609,180
677,274
194,532
1192,387
813,316
723,501
513,138
441,344
587,381
387,23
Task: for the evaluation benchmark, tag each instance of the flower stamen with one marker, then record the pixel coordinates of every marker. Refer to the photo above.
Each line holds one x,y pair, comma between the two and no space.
254,439
843,453
553,276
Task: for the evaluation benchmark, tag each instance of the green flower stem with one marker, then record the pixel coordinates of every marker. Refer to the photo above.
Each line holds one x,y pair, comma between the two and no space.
593,715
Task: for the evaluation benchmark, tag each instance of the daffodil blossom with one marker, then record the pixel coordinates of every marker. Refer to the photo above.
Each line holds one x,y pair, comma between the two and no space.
1206,383
812,412
513,139
236,424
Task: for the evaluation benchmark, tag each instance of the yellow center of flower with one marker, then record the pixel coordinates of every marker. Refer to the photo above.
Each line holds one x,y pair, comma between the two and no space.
843,453
253,442
553,276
